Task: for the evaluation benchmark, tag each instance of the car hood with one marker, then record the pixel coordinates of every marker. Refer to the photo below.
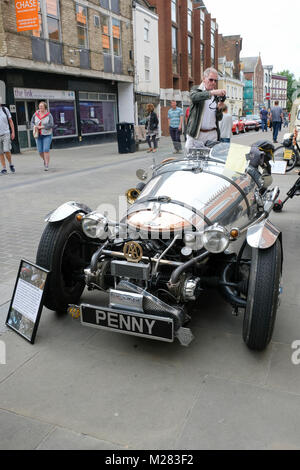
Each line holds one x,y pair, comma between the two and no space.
184,199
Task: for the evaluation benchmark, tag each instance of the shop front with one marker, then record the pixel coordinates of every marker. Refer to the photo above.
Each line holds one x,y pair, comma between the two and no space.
61,105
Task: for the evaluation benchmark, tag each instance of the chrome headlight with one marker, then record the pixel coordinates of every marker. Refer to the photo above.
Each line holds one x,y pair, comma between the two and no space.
94,225
216,239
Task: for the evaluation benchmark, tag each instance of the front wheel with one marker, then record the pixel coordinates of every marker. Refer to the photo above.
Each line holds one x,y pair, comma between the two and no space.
262,298
279,156
63,250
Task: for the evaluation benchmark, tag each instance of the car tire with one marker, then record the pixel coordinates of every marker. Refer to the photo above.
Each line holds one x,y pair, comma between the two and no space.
62,250
262,297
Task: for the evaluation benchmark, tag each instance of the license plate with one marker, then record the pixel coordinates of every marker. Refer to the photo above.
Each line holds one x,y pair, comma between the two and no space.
287,154
130,323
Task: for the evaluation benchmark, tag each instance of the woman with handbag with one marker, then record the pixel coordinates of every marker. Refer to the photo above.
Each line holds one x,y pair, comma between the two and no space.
42,123
152,128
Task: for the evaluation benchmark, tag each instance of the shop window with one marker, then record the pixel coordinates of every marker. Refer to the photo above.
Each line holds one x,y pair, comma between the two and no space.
97,115
82,30
64,117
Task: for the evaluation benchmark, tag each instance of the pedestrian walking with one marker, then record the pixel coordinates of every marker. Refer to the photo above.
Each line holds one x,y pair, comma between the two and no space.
42,123
276,116
205,111
152,128
7,134
175,120
264,119
226,125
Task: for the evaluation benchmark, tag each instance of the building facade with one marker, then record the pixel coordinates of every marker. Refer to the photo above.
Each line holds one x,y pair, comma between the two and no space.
80,62
234,87
253,73
268,70
188,44
146,58
279,86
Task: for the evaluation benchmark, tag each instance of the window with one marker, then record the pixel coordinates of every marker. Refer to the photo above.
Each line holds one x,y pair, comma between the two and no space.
105,25
146,30
202,19
174,40
174,11
50,11
64,118
190,56
97,112
82,31
202,58
147,69
116,29
190,16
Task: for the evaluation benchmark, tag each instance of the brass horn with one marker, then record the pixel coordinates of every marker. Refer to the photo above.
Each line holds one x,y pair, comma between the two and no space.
132,195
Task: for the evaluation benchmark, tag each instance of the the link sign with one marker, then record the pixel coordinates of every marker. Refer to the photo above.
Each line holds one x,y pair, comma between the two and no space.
27,15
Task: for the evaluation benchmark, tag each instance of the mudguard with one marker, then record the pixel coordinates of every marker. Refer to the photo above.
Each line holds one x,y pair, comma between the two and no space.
65,210
263,235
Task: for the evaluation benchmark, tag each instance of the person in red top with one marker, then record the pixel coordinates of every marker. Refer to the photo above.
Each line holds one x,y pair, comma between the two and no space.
42,123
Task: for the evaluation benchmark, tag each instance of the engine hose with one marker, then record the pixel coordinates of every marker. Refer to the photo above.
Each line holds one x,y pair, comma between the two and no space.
96,257
181,269
233,299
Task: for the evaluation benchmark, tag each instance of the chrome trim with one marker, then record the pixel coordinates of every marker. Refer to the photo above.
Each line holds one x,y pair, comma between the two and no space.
118,254
130,301
262,235
65,210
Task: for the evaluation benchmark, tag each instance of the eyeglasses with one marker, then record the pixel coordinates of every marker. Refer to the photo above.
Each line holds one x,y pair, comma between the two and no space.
212,80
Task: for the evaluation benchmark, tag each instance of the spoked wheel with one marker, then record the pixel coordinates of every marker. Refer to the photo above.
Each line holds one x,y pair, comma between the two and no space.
63,250
263,296
279,156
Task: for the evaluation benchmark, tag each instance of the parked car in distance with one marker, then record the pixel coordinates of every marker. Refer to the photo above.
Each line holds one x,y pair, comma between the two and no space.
237,125
256,118
250,124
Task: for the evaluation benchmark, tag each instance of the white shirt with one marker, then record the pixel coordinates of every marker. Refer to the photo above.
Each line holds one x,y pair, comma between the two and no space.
226,126
209,114
4,126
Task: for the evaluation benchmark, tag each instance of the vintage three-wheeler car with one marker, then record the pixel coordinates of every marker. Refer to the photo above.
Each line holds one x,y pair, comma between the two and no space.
196,222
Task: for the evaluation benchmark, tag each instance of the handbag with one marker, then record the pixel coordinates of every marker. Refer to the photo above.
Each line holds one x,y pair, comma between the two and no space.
35,132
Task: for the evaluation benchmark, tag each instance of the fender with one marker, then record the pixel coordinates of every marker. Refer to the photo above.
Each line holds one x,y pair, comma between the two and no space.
65,210
263,235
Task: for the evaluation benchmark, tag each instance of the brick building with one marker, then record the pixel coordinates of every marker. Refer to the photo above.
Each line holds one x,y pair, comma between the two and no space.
230,47
80,61
253,72
188,44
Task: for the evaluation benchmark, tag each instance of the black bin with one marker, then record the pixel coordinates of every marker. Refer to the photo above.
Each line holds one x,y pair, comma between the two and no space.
126,137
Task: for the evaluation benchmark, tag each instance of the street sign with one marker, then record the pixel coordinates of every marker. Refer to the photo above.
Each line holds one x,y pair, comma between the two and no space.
27,15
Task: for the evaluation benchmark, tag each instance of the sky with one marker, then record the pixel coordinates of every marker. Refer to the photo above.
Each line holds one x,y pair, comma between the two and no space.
268,27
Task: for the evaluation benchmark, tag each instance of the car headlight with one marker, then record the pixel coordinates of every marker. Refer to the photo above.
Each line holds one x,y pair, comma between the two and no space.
216,239
94,225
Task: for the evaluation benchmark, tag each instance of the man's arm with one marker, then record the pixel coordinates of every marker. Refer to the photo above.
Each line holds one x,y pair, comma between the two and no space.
12,129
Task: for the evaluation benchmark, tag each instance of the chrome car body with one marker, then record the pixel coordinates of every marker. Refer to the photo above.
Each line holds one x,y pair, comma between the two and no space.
194,225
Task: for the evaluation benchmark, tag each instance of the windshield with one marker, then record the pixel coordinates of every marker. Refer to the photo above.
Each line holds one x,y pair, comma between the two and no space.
229,155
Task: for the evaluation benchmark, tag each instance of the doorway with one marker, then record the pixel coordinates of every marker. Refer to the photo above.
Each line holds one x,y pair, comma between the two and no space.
25,111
